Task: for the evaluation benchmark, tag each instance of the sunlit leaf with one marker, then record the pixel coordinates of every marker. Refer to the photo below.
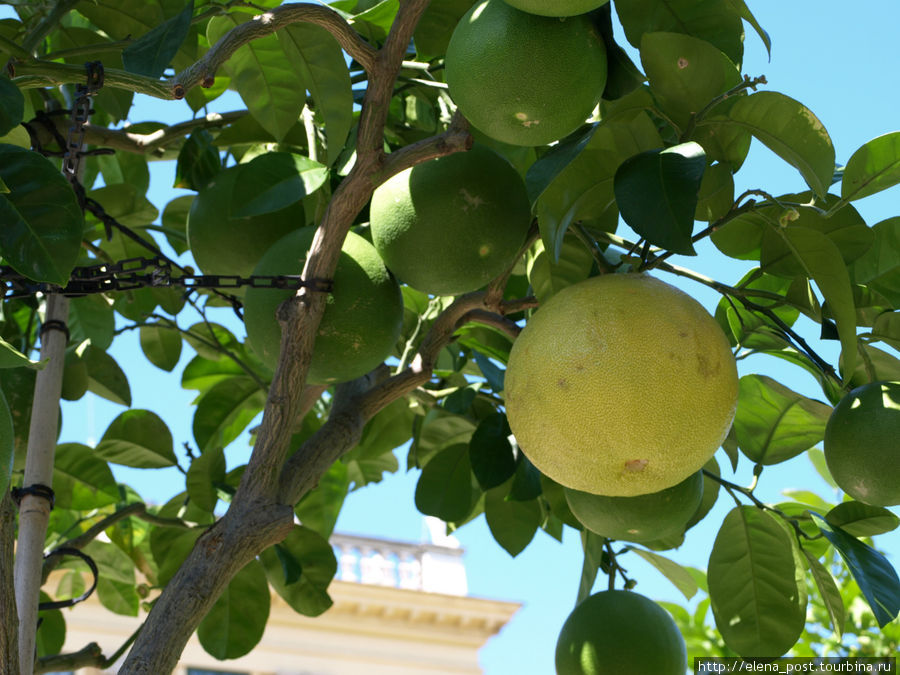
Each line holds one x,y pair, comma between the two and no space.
235,623
872,168
137,438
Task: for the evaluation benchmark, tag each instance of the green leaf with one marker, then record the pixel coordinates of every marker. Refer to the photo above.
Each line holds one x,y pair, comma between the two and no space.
791,131
151,54
12,106
10,357
757,592
740,7
592,544
42,222
874,167
320,507
656,192
128,205
716,195
490,452
685,73
876,578
82,480
316,55
879,267
226,410
513,523
112,562
671,570
51,632
91,317
118,597
313,555
526,482
161,345
174,222
544,171
105,377
375,22
433,31
828,590
262,74
235,623
445,489
273,181
7,444
709,20
170,547
710,493
201,373
137,438
817,457
204,473
774,423
861,520
547,277
198,163
438,430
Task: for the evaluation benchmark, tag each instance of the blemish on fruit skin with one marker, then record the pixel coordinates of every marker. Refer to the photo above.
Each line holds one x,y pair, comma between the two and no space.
562,383
470,201
484,250
527,123
635,465
683,63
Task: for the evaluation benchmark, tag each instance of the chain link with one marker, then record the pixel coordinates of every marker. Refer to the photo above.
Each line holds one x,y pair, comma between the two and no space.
81,111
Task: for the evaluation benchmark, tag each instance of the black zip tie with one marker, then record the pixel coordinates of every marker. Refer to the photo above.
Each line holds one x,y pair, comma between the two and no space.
69,551
36,490
55,324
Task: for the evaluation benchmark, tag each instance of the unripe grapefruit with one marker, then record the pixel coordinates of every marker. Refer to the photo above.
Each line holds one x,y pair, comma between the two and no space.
521,78
452,224
620,385
862,443
556,7
642,519
361,323
224,244
620,633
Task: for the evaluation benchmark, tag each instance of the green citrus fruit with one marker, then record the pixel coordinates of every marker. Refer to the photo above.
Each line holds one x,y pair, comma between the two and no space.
643,518
861,443
620,633
361,323
620,385
224,244
452,224
556,7
75,377
521,78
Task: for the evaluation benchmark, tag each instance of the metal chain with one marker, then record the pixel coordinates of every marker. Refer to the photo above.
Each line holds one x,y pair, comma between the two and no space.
81,111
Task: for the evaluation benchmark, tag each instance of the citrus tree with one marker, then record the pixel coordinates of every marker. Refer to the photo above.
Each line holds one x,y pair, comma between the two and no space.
407,188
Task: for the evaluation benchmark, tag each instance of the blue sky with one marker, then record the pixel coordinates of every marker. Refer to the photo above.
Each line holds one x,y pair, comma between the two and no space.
841,62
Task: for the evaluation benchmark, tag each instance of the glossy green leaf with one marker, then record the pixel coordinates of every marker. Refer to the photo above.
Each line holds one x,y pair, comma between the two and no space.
716,195
262,74
125,167
374,22
152,53
526,482
105,377
51,632
226,410
170,547
817,458
91,317
174,222
711,489
872,168
316,55
709,20
444,489
10,357
862,520
312,554
774,423
545,170
513,523
118,597
438,430
495,376
490,452
791,131
685,73
757,592
129,206
112,562
201,373
161,345
81,479
433,31
204,474
7,444
876,578
273,181
198,162
740,7
656,192
592,544
320,507
671,570
879,267
235,623
828,590
42,222
12,106
137,438
547,277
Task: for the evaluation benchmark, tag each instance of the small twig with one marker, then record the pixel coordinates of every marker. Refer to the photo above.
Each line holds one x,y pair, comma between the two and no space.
748,83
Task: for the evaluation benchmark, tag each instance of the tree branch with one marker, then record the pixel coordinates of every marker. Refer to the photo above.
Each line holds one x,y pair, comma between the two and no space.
9,617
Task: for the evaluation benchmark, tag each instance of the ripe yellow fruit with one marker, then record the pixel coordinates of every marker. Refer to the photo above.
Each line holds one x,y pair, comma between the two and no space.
621,385
556,7
862,443
223,244
361,323
620,633
452,224
642,519
521,78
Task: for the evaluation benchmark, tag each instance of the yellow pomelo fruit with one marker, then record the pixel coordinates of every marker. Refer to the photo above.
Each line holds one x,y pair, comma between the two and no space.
620,633
620,385
452,224
224,244
361,323
521,78
862,443
556,7
641,519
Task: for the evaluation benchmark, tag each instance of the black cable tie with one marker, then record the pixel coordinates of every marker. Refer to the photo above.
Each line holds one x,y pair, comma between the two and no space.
55,324
36,490
67,550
